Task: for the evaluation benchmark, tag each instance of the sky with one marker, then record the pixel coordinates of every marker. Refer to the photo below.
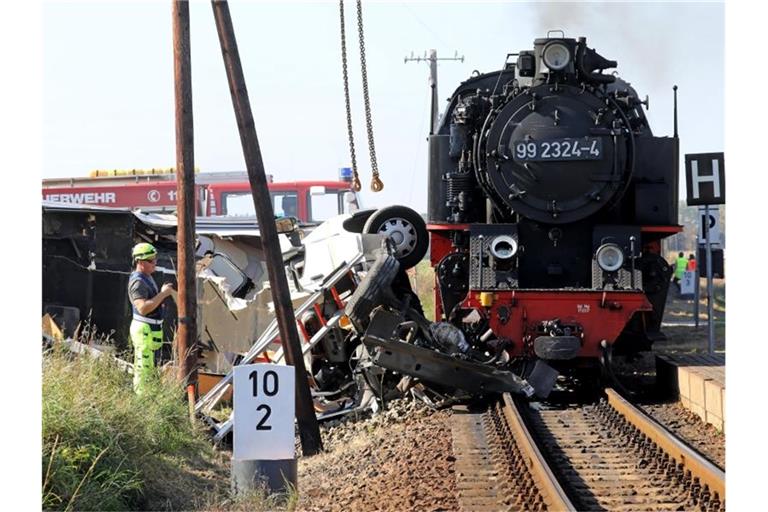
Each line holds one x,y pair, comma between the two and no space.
108,79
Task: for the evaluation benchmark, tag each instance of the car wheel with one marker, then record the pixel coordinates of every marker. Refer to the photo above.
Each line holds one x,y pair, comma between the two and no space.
405,228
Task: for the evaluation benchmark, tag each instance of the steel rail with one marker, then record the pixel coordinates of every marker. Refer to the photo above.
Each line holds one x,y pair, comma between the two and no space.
708,474
549,487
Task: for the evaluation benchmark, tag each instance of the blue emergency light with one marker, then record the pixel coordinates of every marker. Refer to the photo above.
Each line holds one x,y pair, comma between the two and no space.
345,174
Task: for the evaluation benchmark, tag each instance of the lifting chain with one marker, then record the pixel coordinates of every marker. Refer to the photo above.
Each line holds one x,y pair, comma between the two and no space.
376,183
356,178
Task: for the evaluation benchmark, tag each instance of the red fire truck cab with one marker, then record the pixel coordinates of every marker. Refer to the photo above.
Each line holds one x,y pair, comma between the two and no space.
216,194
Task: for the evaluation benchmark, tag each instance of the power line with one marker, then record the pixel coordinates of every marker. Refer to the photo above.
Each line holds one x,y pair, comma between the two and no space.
432,59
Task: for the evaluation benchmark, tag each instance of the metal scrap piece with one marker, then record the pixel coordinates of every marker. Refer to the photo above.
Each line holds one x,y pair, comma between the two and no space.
432,366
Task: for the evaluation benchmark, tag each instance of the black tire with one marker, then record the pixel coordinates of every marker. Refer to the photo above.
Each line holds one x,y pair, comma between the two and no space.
374,290
409,232
356,222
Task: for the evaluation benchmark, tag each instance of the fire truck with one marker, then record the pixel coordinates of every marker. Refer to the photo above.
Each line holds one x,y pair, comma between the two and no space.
216,193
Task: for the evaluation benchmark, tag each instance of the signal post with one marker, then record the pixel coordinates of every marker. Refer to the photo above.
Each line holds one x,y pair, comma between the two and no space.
705,186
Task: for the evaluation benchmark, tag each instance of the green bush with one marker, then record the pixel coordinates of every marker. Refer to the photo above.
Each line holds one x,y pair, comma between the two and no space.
104,448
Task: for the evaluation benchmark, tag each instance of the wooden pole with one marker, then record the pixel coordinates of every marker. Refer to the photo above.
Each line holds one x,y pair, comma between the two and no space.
309,432
185,201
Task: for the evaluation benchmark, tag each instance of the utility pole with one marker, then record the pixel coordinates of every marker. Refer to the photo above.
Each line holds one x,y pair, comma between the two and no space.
309,431
185,202
432,59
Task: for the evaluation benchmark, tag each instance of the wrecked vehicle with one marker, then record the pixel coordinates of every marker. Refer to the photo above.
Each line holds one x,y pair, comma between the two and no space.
86,265
398,338
336,282
328,268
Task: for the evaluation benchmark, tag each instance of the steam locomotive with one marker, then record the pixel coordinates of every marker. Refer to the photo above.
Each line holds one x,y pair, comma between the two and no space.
549,197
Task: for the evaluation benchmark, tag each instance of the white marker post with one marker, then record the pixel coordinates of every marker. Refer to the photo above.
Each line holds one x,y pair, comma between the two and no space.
687,289
263,428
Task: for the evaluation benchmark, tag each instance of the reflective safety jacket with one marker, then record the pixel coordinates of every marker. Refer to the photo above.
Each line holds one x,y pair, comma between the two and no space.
680,266
156,316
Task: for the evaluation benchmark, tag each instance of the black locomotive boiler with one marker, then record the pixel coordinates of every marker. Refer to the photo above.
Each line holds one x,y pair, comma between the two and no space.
549,196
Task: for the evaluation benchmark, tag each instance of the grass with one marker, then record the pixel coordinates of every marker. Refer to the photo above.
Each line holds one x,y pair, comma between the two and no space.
683,308
681,338
423,281
104,448
255,501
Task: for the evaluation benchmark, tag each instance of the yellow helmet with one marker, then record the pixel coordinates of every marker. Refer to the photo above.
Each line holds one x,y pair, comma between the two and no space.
144,251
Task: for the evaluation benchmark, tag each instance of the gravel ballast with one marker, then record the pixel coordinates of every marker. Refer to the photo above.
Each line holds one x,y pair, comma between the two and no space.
400,459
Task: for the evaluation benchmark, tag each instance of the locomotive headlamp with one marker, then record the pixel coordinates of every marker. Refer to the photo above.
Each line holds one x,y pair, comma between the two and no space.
556,56
503,247
610,257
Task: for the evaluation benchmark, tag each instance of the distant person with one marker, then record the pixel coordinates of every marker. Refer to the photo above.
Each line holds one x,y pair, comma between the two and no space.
147,305
691,266
680,264
290,206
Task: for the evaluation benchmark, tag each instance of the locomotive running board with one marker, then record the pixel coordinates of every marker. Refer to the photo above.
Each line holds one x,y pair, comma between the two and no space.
431,366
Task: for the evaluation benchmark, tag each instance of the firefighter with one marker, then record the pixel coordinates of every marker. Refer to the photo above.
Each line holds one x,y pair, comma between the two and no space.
147,306
680,265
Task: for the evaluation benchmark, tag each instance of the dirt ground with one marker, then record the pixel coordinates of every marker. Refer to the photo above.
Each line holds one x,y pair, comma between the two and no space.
399,460
682,335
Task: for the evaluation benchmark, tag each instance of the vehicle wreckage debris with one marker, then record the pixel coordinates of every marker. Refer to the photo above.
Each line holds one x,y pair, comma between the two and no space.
398,338
384,349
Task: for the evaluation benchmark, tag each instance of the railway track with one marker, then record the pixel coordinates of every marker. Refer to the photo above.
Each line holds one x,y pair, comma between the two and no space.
607,455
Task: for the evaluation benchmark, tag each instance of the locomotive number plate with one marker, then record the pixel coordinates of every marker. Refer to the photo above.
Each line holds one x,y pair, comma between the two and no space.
586,148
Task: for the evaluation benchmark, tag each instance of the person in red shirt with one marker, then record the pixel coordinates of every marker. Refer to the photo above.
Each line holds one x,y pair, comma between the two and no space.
691,267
